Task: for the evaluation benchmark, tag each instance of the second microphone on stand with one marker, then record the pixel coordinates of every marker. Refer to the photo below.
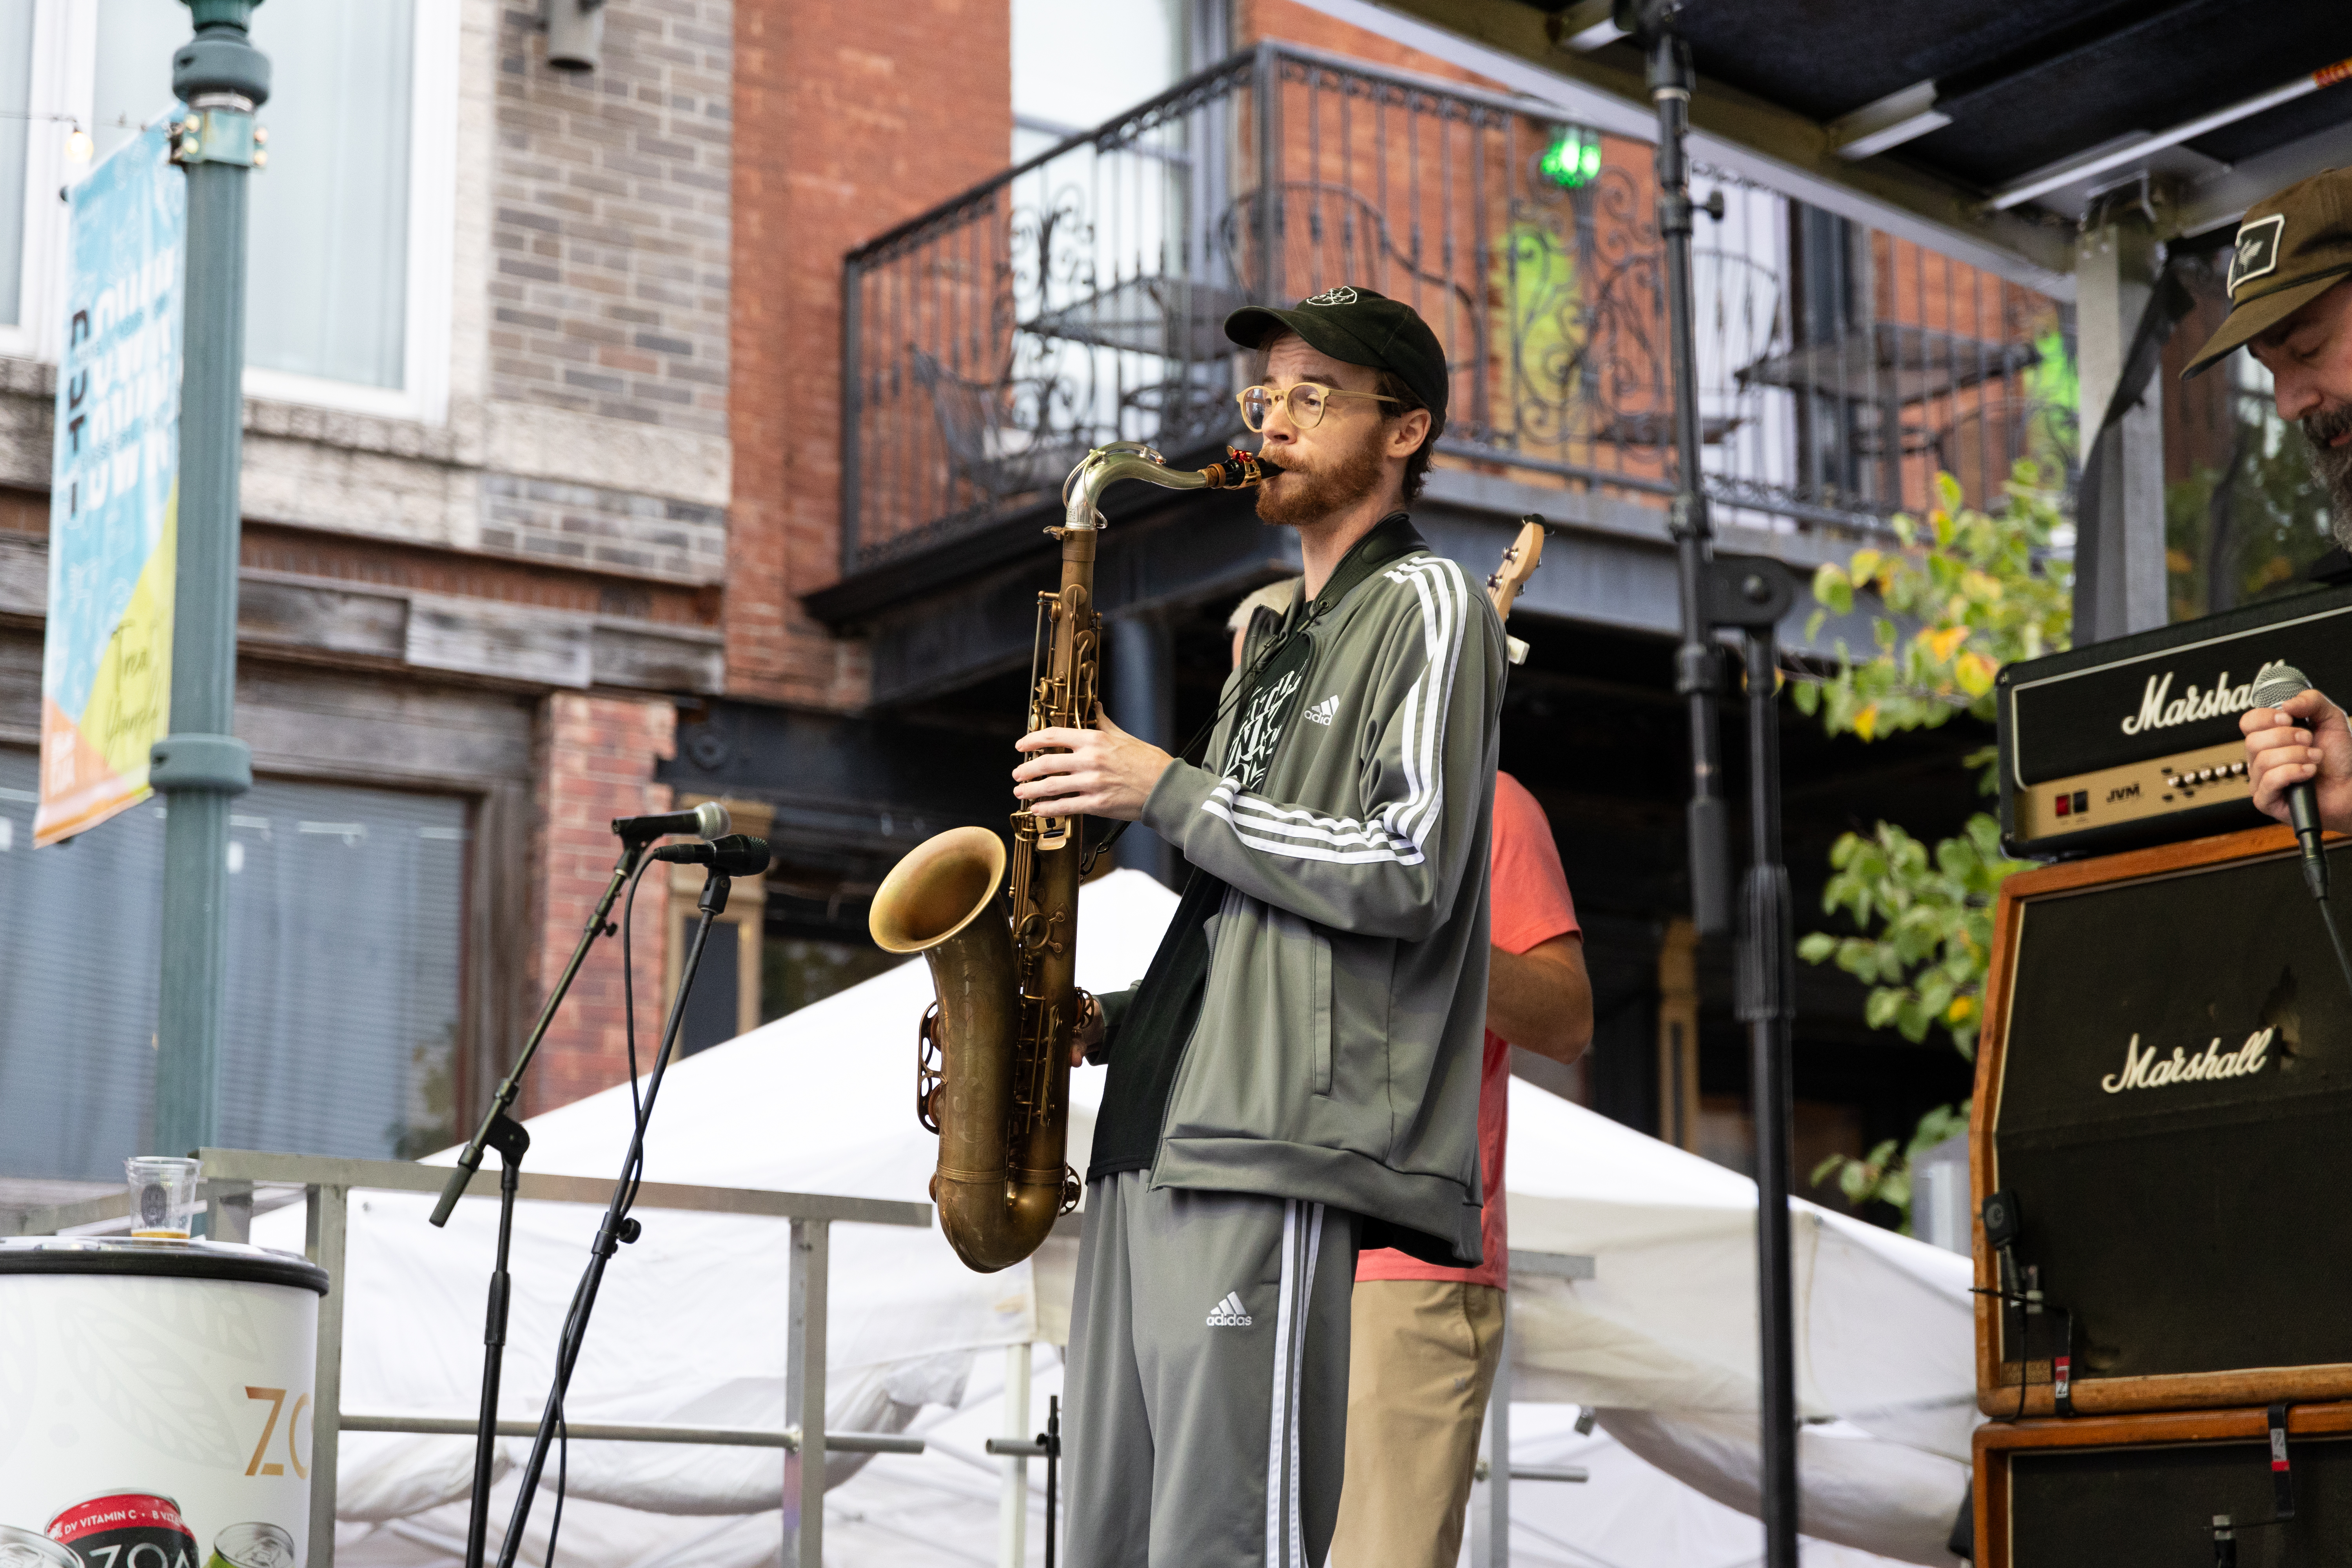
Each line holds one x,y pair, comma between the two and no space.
736,855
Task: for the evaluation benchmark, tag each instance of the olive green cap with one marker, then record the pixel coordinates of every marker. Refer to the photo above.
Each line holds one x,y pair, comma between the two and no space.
2292,248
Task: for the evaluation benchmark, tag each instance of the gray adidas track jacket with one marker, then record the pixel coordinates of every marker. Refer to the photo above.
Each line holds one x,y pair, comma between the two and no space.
1338,1051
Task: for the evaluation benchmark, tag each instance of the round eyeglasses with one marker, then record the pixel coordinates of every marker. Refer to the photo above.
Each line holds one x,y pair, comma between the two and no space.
1304,400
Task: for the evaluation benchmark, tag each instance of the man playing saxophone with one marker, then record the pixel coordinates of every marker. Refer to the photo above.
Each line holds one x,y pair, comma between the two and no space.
1296,1076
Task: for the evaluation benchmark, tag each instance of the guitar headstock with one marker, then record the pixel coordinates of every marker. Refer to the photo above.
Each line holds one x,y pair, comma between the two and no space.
1519,564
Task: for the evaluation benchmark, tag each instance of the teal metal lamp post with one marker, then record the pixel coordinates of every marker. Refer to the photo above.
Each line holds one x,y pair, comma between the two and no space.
222,79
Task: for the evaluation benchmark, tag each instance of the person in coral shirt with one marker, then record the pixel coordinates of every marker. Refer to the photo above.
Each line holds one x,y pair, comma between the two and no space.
1426,1341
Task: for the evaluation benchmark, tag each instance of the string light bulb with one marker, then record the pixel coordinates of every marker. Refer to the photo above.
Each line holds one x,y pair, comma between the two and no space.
78,146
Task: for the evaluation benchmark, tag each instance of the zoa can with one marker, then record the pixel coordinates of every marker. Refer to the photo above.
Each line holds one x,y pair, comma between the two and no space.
256,1544
126,1530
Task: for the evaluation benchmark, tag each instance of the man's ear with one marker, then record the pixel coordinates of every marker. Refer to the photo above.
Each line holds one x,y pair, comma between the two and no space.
1411,428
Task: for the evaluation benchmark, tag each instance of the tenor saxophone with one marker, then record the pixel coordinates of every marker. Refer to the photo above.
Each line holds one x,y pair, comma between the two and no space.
992,1053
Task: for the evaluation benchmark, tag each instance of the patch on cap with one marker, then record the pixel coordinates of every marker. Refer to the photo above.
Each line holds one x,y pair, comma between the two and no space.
1342,295
2257,254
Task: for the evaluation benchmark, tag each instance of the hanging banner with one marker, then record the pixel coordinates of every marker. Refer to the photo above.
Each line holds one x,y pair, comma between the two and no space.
106,672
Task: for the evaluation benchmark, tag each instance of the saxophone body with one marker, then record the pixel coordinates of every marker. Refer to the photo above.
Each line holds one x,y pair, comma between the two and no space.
992,1053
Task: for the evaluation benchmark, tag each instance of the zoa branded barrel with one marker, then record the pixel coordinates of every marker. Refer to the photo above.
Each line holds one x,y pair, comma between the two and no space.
156,1404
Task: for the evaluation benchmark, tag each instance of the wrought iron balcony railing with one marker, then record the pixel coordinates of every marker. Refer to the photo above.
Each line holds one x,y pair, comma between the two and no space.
1079,298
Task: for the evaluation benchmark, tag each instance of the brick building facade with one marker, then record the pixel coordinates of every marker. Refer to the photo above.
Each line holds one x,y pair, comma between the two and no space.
585,557
488,582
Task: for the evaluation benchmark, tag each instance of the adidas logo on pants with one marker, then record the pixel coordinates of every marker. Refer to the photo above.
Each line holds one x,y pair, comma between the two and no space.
1229,1313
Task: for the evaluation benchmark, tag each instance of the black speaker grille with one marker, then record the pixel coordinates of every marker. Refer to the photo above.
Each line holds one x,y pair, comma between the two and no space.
2153,1507
2191,1225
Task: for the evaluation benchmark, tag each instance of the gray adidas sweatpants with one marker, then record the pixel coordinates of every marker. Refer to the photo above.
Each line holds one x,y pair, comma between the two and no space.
1207,1389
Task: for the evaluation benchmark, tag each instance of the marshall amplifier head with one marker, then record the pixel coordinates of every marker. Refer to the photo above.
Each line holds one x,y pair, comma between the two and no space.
2136,740
2163,1089
2153,1491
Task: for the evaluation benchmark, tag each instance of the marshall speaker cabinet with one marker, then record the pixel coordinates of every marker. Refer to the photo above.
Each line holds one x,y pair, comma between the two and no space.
2164,1093
2136,740
2147,1491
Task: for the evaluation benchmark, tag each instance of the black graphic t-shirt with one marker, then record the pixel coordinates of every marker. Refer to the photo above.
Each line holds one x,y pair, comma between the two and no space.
1160,1019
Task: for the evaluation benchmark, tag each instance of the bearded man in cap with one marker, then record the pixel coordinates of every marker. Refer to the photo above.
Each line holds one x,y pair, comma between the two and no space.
2291,307
1296,1076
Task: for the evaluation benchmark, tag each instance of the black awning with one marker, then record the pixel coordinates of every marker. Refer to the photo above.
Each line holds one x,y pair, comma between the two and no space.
2024,88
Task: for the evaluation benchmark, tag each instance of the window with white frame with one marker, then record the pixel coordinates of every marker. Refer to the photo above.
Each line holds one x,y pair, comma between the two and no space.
348,227
1075,63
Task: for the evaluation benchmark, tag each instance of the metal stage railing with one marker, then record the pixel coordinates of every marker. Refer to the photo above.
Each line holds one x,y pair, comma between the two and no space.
235,1186
1079,298
235,1178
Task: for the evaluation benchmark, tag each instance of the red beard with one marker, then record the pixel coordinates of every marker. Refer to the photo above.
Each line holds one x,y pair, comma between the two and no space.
1302,496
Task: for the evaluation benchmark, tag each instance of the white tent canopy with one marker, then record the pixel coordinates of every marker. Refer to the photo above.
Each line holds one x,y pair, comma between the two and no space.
689,1327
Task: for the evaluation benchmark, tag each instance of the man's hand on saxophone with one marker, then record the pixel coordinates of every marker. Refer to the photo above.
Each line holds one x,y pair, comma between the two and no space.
1101,771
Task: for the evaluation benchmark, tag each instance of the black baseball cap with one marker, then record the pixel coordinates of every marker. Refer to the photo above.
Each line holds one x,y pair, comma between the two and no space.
1357,326
2292,248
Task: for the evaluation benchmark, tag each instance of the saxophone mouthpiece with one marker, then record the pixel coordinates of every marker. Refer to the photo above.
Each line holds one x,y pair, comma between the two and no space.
1239,470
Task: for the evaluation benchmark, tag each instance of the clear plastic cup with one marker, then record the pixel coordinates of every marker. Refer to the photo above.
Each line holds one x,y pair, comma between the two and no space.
162,1196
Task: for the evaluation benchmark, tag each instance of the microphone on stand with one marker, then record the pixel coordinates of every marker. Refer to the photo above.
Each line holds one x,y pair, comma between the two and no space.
2272,688
707,820
735,854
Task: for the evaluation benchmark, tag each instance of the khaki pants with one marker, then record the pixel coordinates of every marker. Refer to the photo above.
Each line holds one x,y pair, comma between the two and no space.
1421,1361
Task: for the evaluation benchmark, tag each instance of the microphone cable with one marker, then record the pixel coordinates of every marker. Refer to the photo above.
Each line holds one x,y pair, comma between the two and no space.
567,1343
2336,941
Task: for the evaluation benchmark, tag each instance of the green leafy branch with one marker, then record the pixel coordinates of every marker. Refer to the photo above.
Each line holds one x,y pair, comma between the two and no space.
1978,592
1962,594
1926,917
1882,1176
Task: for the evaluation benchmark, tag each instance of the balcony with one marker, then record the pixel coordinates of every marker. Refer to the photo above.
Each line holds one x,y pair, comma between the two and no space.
1077,299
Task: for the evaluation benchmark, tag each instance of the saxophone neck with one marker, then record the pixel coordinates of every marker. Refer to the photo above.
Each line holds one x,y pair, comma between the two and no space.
1106,466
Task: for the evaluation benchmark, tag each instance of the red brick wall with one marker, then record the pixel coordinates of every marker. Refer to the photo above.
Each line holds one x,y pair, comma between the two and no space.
1296,23
599,754
849,119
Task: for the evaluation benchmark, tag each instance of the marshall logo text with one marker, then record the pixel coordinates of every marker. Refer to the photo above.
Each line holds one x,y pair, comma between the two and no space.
2144,1070
2159,709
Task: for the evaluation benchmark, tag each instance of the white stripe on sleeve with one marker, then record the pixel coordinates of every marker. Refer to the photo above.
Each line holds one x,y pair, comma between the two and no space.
1399,830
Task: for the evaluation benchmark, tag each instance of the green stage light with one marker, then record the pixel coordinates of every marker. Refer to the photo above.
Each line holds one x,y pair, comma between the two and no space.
1573,158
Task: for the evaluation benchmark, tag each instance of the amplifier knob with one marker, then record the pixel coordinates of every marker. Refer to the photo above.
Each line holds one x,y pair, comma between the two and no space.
2239,767
2204,774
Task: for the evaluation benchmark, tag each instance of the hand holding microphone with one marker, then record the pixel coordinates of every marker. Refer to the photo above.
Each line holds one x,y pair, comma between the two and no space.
2304,779
2300,777
2295,735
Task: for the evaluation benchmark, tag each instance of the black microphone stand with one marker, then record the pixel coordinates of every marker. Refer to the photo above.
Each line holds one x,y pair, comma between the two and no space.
1697,663
618,1226
1751,594
501,1131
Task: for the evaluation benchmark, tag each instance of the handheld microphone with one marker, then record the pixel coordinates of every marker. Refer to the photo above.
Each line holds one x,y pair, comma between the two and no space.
735,854
707,820
2272,688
